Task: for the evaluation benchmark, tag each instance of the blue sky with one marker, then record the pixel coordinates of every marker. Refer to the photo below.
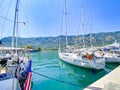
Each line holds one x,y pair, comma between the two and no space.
44,16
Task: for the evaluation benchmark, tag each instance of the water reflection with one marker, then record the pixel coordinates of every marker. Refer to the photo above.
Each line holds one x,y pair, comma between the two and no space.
83,76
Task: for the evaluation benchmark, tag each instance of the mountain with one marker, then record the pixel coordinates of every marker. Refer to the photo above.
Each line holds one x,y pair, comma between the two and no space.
98,39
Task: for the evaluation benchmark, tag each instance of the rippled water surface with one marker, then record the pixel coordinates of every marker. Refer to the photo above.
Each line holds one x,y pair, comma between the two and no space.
49,64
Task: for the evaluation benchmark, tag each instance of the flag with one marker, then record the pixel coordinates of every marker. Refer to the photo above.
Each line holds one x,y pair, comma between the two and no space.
29,66
27,83
24,23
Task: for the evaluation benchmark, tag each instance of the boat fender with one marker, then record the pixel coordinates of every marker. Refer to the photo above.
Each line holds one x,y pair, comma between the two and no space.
89,56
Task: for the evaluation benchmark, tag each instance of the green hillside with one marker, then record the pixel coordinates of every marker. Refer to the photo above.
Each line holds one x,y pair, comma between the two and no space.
98,39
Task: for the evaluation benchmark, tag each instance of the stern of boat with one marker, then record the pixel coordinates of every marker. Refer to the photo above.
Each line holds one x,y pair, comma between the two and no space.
100,63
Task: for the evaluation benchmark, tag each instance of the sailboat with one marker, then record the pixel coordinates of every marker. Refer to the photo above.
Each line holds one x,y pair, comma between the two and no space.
15,63
111,53
82,57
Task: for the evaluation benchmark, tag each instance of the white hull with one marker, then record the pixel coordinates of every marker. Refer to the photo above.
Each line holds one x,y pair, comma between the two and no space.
78,61
109,57
112,60
8,84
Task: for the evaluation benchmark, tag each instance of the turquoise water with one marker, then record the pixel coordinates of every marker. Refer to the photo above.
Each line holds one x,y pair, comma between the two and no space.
49,64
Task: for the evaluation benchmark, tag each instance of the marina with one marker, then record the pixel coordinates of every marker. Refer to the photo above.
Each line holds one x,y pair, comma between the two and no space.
48,64
59,45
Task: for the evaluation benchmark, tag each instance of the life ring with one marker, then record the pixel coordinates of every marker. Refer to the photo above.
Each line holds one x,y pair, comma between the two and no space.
89,56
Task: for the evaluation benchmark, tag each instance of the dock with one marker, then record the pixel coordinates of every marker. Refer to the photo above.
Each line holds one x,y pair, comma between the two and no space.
13,48
110,81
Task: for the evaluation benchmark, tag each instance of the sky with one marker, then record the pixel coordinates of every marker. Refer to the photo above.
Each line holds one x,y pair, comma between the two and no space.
42,18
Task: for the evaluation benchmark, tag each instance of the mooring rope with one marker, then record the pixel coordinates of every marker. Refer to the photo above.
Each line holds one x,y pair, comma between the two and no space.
57,79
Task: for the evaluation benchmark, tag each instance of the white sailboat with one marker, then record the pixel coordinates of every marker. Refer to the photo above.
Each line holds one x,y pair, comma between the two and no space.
15,63
111,53
82,58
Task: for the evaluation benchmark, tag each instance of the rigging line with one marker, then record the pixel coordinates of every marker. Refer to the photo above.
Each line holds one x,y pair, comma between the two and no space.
12,20
22,10
28,16
90,27
7,4
65,16
57,79
61,27
77,35
83,27
1,4
5,19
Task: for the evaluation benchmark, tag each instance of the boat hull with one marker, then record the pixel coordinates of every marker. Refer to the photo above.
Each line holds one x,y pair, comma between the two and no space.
109,57
112,60
78,61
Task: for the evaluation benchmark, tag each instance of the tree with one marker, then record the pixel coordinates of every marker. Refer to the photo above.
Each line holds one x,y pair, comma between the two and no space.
29,47
39,48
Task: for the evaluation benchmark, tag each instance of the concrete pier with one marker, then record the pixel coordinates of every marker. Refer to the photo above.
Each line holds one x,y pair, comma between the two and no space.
13,48
110,81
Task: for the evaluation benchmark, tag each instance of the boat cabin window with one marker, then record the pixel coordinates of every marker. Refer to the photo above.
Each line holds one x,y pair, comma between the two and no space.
3,62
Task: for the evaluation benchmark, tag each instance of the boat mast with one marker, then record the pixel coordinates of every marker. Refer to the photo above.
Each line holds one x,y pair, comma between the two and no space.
90,25
17,33
15,21
61,27
65,14
82,20
64,19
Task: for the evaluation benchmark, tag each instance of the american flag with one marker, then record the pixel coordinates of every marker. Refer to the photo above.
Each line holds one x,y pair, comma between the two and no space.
27,83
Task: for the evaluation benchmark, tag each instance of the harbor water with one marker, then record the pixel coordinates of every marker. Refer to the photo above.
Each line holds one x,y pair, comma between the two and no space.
65,76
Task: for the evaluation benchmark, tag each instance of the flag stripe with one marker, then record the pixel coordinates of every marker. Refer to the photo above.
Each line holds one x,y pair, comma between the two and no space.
27,84
29,81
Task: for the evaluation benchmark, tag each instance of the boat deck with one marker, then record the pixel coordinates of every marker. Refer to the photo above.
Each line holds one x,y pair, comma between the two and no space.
7,73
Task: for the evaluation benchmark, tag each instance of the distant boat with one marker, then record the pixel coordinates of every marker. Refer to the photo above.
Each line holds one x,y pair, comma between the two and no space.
111,53
15,63
83,57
